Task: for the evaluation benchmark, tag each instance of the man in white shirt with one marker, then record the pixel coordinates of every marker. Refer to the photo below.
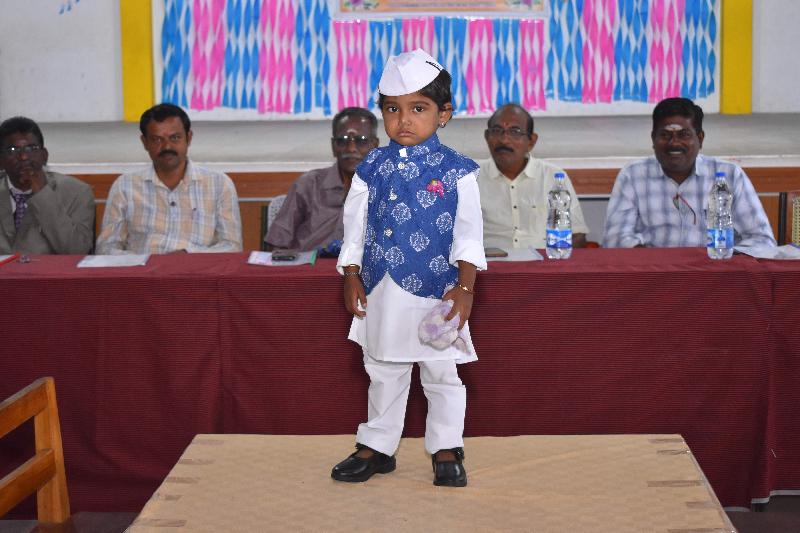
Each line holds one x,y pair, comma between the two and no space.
514,185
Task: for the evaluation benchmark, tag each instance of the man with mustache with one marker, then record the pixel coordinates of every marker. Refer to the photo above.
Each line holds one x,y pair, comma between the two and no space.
41,212
311,215
172,205
661,201
514,185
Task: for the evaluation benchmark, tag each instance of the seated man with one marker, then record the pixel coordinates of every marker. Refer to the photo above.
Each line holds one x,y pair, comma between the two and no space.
514,185
661,201
41,212
311,215
172,205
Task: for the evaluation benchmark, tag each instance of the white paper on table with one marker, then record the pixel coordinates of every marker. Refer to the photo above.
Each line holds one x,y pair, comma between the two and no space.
788,251
265,259
519,254
124,260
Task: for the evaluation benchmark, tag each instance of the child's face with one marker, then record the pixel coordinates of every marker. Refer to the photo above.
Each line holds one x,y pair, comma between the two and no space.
410,119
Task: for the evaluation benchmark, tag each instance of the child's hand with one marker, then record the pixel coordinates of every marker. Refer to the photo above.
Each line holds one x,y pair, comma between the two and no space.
353,294
462,304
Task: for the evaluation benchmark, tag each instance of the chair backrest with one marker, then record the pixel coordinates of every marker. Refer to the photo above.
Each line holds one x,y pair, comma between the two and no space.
44,472
794,198
274,207
268,214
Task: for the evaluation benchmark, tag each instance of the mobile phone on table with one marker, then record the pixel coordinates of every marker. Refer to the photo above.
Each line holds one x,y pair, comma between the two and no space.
284,255
495,252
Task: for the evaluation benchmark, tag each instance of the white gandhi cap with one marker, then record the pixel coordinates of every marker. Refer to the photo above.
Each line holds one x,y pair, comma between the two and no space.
408,73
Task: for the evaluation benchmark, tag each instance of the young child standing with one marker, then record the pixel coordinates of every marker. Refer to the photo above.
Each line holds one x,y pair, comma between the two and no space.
413,236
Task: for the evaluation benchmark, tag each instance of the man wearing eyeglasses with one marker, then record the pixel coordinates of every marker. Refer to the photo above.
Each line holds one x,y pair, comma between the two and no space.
311,215
660,201
41,212
514,185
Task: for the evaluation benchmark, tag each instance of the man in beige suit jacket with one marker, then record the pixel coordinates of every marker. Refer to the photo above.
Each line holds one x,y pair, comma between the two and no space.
41,212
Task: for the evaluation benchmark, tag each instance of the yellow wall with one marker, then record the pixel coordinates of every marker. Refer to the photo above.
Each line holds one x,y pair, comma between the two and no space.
736,72
136,29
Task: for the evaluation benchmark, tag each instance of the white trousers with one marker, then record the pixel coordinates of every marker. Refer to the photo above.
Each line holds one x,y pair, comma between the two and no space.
388,394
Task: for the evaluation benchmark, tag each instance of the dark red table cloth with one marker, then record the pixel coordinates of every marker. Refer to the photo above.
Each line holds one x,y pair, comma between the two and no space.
610,341
783,454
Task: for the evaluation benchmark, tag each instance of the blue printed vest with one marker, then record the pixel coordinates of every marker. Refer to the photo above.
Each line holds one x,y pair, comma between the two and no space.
413,195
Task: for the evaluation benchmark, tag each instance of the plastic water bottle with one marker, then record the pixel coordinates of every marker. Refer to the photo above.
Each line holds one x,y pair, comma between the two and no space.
559,225
719,220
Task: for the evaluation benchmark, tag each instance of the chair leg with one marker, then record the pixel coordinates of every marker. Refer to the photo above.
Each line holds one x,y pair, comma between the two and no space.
52,498
783,200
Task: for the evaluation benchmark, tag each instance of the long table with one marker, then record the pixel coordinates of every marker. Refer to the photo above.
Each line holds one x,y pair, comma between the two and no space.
610,341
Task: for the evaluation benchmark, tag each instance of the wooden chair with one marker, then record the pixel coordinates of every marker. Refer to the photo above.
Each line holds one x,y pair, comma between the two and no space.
788,218
44,472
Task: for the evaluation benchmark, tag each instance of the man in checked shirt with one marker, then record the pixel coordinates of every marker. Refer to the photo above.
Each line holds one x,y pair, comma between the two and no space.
172,205
660,201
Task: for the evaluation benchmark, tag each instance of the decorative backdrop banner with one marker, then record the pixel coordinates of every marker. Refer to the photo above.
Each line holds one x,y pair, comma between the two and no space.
393,7
301,58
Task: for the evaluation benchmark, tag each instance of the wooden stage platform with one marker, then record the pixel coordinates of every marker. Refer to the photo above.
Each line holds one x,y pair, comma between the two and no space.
543,484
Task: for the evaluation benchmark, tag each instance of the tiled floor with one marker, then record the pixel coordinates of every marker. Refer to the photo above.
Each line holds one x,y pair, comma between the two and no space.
79,523
781,515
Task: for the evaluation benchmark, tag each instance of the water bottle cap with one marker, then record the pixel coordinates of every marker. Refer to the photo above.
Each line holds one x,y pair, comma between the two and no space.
559,175
720,175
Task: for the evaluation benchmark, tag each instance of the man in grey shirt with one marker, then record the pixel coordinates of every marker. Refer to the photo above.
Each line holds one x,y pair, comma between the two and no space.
311,215
41,212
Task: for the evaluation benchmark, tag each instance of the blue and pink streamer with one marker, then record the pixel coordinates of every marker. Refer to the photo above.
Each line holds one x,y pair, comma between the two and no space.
208,53
417,33
351,67
176,54
276,65
666,48
597,24
241,62
630,50
284,57
478,72
531,65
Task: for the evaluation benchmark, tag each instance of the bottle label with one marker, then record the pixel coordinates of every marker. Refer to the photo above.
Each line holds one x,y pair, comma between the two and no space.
720,238
559,238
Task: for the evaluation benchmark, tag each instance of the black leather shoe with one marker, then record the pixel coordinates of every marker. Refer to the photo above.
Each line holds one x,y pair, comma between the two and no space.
354,469
450,473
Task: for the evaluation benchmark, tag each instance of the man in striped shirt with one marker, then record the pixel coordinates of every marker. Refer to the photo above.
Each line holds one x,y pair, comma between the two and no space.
661,201
172,205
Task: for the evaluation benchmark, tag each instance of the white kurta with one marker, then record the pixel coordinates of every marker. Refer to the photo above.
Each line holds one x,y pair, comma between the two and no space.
389,331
